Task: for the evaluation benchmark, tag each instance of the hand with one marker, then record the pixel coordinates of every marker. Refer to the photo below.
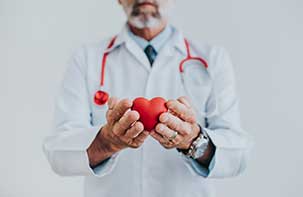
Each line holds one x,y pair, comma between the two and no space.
122,130
180,118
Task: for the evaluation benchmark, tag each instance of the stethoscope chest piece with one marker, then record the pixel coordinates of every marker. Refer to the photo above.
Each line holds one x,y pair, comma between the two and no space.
101,97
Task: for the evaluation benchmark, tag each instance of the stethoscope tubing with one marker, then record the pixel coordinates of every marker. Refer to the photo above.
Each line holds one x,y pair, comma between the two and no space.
101,97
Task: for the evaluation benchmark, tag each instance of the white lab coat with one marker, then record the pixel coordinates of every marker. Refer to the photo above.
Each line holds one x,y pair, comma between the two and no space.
150,170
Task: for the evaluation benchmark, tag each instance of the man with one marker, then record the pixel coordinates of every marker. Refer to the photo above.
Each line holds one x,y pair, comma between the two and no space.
109,144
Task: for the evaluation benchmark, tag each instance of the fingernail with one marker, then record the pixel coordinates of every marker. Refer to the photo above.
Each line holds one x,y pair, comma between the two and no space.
160,127
164,117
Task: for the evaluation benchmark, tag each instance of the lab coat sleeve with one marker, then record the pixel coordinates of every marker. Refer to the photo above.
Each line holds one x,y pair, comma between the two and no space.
232,143
73,132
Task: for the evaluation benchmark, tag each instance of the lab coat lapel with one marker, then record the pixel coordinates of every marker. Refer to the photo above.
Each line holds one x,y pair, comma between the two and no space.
167,52
138,53
132,47
177,41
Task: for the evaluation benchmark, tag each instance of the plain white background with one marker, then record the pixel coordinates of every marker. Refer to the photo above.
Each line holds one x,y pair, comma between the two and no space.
264,38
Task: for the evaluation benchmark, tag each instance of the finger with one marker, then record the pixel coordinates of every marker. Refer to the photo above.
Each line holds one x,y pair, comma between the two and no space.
141,138
158,137
164,142
125,122
134,130
185,101
168,145
112,102
175,123
166,132
185,113
119,109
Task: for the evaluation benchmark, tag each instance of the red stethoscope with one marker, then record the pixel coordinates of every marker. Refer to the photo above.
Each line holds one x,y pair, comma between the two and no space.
101,97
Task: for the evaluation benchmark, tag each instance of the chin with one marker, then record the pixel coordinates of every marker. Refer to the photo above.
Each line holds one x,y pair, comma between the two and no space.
142,22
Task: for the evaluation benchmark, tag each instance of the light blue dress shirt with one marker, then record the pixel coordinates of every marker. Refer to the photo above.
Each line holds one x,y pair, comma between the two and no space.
158,42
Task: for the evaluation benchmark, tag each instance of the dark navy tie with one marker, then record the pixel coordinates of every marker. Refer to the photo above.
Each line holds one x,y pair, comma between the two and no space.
151,54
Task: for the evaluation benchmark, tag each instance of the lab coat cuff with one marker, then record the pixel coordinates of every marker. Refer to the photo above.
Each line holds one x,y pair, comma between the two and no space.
196,168
67,152
106,166
220,168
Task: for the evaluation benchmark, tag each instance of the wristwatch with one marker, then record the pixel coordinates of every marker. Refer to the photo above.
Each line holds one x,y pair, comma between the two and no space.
198,146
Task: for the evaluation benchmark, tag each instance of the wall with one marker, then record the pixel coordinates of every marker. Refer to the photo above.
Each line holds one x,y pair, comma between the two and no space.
264,38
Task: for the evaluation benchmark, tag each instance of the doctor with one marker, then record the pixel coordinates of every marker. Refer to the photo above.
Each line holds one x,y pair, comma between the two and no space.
198,139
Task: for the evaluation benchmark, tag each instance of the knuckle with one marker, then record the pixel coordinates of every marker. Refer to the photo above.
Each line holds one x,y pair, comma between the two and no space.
110,114
134,145
121,119
125,103
177,125
117,112
163,141
126,140
171,124
164,144
128,133
115,130
186,131
191,115
140,141
178,140
192,119
131,132
115,133
184,116
167,146
170,103
183,97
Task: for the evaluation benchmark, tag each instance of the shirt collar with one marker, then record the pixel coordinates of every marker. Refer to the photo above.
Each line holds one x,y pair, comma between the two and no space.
157,42
177,39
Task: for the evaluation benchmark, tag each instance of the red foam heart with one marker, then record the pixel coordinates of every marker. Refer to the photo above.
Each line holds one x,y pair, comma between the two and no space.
149,110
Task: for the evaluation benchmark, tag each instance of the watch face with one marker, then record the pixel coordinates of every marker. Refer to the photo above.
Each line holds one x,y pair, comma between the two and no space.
201,149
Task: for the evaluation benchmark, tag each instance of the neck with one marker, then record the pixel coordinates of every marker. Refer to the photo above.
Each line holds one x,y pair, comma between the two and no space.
148,33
